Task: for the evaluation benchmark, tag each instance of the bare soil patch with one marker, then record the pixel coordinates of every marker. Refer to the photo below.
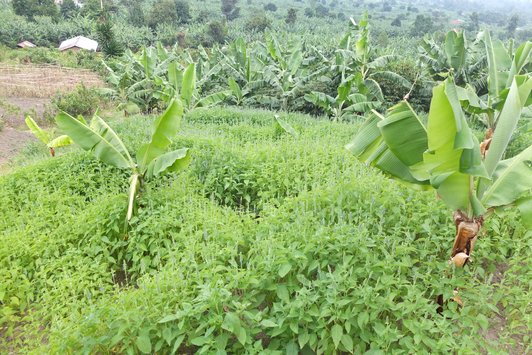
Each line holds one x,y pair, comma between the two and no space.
11,142
43,80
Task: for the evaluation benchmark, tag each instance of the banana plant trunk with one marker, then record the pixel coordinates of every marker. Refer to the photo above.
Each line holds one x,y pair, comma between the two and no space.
467,231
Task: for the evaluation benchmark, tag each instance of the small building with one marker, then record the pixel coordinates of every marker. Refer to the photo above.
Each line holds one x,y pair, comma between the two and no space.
78,43
26,44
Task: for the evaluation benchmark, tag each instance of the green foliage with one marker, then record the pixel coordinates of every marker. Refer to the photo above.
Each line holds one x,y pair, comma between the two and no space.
445,154
338,258
182,11
69,9
33,8
152,158
107,39
163,11
81,101
230,10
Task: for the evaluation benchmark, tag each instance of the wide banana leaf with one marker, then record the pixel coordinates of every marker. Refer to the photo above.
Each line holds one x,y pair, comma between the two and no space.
90,139
235,88
172,161
41,134
525,208
101,127
212,99
370,147
511,180
453,156
404,134
520,60
165,128
499,64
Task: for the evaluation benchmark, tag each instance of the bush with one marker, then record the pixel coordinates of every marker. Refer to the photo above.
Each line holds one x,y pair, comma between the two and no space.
270,7
258,23
81,101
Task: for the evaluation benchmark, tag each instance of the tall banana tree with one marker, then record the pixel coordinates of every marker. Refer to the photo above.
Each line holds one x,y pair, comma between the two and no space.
152,158
445,155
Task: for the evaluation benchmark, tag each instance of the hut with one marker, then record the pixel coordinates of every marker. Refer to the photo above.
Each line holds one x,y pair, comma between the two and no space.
77,43
26,44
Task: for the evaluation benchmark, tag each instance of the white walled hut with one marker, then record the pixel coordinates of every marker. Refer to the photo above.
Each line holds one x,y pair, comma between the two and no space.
78,43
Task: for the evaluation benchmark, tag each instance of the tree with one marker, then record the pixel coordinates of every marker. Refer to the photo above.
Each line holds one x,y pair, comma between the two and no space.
270,7
258,23
512,25
69,9
32,8
182,11
291,16
136,14
217,31
163,11
422,25
230,10
106,37
473,24
397,22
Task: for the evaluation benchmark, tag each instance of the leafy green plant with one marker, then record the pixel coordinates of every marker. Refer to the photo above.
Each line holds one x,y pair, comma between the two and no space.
81,101
46,137
446,155
152,158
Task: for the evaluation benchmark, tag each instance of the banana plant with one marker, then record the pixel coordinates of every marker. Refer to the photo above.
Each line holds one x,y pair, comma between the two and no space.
46,137
453,57
356,57
286,72
152,158
503,67
445,155
182,84
345,105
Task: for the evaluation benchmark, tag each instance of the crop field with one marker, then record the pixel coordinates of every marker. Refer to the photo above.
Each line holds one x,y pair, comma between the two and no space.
265,177
266,242
43,81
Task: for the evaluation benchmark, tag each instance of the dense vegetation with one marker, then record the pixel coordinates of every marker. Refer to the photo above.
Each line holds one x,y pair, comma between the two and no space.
330,254
214,207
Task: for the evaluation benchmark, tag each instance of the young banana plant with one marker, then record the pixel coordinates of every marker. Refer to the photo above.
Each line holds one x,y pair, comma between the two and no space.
346,104
152,157
445,155
46,137
182,84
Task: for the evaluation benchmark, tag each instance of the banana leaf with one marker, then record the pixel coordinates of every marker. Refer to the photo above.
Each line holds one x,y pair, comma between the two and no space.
165,128
172,161
41,134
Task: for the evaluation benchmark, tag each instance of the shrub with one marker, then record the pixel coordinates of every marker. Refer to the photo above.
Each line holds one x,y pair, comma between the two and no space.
270,7
81,101
258,23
